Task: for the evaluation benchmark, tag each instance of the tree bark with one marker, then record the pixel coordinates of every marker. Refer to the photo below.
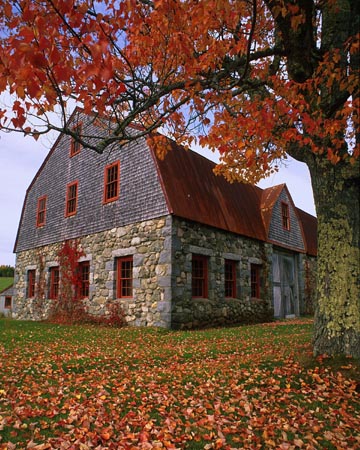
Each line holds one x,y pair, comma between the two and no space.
337,308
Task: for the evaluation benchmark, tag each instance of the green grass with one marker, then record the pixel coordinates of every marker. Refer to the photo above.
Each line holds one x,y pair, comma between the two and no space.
5,282
241,387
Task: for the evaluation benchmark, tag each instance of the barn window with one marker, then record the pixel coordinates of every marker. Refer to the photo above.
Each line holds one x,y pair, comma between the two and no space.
255,280
75,146
84,279
54,282
124,277
41,211
30,292
111,182
7,304
230,278
71,199
199,276
285,215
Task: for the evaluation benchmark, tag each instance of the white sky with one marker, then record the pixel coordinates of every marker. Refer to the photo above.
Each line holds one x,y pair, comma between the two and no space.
21,157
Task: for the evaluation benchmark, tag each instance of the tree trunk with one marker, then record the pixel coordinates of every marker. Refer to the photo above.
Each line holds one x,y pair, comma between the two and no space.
337,308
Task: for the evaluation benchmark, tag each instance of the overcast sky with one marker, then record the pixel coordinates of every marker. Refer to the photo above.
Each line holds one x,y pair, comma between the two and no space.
21,157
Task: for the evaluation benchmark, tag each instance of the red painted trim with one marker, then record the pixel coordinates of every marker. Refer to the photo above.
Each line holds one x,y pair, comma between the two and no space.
255,270
31,274
54,282
75,146
119,278
285,215
106,183
84,283
232,264
41,212
68,187
204,260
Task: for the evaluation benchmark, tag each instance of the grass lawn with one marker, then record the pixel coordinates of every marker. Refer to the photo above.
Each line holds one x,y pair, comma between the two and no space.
5,282
249,387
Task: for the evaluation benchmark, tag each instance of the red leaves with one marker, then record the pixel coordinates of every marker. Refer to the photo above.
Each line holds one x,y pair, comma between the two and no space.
85,387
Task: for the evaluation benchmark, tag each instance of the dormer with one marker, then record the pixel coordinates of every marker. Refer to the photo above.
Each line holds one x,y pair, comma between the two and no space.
281,221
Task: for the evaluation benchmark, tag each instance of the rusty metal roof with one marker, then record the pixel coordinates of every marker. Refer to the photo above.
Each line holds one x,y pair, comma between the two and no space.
309,225
195,193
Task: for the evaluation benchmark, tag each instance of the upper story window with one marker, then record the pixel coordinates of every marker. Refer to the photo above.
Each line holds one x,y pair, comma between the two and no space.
75,146
285,216
124,277
41,211
230,278
54,282
71,199
84,279
111,182
255,280
199,276
30,290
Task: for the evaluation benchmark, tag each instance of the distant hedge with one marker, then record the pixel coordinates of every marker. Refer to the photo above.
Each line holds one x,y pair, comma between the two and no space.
6,271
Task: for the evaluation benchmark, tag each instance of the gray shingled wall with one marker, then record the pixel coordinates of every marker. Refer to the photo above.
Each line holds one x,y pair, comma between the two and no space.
291,238
141,196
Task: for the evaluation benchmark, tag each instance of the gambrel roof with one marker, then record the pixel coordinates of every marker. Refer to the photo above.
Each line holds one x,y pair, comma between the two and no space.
183,184
195,193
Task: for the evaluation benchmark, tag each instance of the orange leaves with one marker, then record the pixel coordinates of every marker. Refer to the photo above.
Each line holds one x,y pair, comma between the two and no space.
241,387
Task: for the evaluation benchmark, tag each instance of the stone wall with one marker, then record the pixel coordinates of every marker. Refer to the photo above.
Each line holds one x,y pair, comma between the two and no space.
191,238
150,244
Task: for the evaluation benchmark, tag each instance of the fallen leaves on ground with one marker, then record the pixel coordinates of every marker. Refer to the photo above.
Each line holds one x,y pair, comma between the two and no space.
80,387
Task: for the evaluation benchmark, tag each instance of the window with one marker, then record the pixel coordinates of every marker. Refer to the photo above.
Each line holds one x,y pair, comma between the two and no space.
199,276
54,282
30,284
41,211
84,279
255,280
75,145
7,304
111,182
124,277
71,199
285,216
230,278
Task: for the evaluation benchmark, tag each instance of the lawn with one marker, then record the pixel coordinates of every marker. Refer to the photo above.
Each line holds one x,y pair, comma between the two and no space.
248,387
5,282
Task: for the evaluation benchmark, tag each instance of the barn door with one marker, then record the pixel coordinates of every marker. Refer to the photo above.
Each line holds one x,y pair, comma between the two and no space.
284,282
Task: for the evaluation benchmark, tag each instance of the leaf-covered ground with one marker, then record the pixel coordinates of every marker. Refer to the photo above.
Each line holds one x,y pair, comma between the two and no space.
250,387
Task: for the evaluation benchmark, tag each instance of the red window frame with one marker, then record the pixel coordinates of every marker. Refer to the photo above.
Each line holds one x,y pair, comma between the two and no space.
285,216
31,283
41,211
54,273
124,277
255,280
111,182
199,281
230,278
84,279
7,304
71,199
75,146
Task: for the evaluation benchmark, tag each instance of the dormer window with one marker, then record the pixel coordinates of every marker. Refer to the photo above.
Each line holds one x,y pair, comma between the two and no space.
111,182
285,216
41,212
75,145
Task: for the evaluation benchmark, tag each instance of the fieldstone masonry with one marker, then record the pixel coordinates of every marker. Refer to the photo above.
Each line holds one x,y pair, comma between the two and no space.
162,250
150,244
192,238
